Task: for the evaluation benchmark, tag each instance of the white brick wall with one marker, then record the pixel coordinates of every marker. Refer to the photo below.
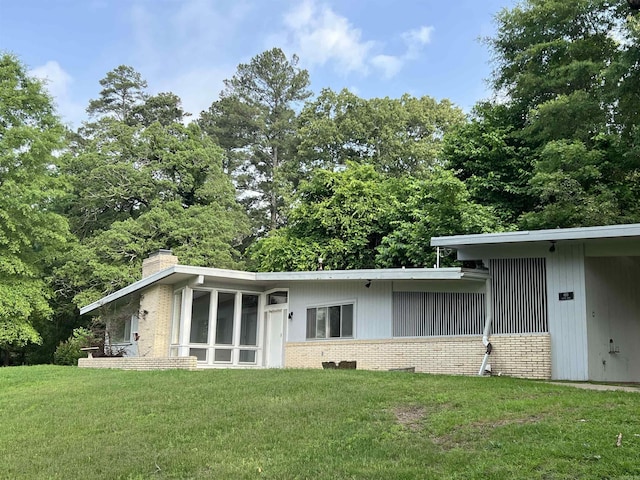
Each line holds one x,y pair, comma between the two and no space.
140,363
527,356
155,321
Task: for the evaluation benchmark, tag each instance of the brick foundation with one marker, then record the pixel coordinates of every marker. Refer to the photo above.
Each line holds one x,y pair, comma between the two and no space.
140,363
526,356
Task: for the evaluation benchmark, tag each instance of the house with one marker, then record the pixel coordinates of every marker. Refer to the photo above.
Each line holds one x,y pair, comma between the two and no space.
559,304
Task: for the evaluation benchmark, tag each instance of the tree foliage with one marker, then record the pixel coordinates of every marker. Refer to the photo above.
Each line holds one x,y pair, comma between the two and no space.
164,108
398,136
254,122
561,151
123,90
360,218
139,189
438,205
492,156
31,234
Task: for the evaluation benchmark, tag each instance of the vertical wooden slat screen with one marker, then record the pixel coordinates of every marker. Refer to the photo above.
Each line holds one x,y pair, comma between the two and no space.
427,314
519,289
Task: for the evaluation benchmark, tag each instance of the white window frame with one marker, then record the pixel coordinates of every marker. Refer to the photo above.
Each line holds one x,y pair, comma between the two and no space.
185,345
327,305
130,325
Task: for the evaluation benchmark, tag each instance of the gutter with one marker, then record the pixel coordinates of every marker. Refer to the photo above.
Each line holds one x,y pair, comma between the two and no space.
485,367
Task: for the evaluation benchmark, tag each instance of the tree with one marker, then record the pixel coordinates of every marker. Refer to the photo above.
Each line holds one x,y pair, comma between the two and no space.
31,234
154,187
493,157
110,174
569,84
254,121
360,218
438,205
545,48
165,108
340,217
123,90
398,136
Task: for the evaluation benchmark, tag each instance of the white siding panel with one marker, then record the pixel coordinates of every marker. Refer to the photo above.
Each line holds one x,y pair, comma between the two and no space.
567,318
373,306
613,318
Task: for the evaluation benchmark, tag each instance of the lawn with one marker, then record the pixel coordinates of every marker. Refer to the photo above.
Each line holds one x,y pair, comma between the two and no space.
68,423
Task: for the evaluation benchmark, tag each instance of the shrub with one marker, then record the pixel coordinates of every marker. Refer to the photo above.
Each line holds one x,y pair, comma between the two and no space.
68,352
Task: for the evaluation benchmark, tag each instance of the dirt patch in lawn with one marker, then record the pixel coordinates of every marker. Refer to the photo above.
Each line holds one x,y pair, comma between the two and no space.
410,416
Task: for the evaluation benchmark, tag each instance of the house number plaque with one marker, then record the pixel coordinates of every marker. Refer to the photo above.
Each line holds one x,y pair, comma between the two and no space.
565,296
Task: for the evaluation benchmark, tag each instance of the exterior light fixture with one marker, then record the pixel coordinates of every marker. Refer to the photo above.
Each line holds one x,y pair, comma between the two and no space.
552,248
368,284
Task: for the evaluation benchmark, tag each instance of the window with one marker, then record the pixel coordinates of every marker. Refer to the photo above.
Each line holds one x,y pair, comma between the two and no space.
200,317
335,321
249,320
119,330
177,310
278,298
224,323
216,326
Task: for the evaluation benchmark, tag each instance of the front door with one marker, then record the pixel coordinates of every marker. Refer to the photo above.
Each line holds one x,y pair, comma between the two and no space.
275,338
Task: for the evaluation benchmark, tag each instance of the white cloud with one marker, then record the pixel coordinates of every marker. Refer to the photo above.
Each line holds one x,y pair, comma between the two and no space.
387,64
58,83
416,40
321,36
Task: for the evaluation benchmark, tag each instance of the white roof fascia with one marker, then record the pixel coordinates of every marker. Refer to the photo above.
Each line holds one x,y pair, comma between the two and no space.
222,274
556,234
163,274
454,273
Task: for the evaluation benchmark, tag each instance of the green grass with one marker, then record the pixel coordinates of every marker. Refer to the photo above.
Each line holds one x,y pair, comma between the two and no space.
68,423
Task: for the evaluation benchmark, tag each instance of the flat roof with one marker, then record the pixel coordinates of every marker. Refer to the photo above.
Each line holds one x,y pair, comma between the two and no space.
178,273
555,234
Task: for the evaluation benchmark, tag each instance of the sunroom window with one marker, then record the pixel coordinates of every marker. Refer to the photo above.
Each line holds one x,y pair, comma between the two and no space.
223,326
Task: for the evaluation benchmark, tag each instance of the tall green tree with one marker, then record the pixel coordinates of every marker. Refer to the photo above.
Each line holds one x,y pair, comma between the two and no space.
254,121
31,234
164,108
546,48
123,89
398,136
565,145
437,205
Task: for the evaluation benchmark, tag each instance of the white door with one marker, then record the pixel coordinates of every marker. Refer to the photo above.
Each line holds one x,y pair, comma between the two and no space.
275,338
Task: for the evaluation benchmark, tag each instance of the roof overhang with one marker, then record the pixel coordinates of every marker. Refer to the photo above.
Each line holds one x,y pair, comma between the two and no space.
199,275
551,235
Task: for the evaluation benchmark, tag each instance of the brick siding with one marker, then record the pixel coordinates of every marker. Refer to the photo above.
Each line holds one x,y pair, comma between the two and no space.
140,363
154,324
526,356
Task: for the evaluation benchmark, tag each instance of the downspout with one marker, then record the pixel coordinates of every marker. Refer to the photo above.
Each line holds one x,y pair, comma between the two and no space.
487,328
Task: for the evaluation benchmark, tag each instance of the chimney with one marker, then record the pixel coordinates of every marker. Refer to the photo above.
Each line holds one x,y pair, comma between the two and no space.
158,261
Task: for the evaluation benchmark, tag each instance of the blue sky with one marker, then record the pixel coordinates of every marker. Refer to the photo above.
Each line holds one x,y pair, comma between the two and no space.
376,48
